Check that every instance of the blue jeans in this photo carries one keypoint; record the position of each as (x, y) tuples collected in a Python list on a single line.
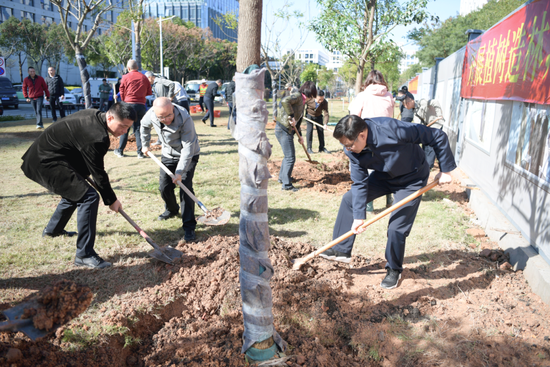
[(140, 112), (85, 222), (37, 107), (287, 144)]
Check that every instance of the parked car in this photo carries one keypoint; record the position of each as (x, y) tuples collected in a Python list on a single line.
[(1, 109), (77, 93), (8, 93), (192, 87), (69, 100), (19, 90)]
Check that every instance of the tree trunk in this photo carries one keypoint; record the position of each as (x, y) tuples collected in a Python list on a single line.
[(250, 31), (359, 78), (21, 67), (84, 77), (274, 94)]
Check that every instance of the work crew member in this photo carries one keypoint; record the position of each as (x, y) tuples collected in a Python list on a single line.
[(180, 154), (161, 86), (34, 87), (56, 87), (209, 96), (391, 149), (202, 91), (60, 160), (424, 112), (317, 110), (104, 92)]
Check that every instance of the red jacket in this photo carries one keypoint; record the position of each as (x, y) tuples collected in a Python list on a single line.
[(36, 87), (134, 86)]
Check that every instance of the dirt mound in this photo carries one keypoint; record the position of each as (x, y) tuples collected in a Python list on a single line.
[(330, 314), (131, 144), (59, 304), (332, 177)]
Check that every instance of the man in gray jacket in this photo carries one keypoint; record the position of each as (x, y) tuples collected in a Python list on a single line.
[(180, 153), (162, 87)]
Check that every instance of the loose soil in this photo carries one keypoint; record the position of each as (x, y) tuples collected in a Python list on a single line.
[(456, 307), (131, 144)]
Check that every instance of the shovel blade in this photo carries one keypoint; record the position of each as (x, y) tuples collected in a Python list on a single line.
[(172, 253), (160, 256), (15, 323), (219, 221), (166, 254)]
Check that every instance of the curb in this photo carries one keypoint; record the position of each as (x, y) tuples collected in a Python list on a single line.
[(499, 229)]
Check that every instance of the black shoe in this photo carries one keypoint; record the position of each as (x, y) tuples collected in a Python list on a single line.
[(334, 255), (310, 151), (190, 235), (93, 261), (203, 121), (324, 150), (391, 280), (62, 233), (213, 125), (291, 188), (167, 215)]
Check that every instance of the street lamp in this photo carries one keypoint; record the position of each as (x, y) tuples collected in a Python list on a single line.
[(160, 26)]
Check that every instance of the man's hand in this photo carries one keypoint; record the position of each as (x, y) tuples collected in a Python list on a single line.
[(325, 127), (300, 139), (62, 97), (355, 226), (144, 150), (444, 178), (28, 100), (116, 206), (176, 179)]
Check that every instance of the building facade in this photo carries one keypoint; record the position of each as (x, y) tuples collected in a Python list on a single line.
[(409, 58), (468, 6), (309, 56), (201, 13)]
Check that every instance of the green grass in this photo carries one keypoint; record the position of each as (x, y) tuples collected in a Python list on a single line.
[(11, 118), (29, 262)]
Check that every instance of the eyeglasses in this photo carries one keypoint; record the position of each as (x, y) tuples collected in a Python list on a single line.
[(348, 147), (162, 118)]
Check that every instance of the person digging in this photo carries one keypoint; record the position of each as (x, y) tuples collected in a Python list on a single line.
[(180, 154), (391, 149), (61, 159)]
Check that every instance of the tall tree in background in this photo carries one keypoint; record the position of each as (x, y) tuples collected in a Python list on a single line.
[(11, 42), (117, 44), (310, 73), (80, 10), (325, 78), (358, 28), (291, 72), (441, 39)]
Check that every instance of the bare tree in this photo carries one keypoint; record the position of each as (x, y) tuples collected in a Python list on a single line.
[(81, 10)]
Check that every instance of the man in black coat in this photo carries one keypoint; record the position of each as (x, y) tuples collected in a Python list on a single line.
[(57, 92), (231, 103), (391, 149), (209, 95), (60, 160)]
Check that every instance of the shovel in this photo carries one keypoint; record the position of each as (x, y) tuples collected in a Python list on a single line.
[(299, 262), (303, 146), (315, 123), (211, 218), (167, 254), (15, 323)]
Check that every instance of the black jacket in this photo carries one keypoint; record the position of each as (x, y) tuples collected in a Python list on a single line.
[(69, 151), (211, 91), (393, 148), (55, 85), (229, 92)]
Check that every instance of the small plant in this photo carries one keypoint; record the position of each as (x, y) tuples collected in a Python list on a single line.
[(12, 118)]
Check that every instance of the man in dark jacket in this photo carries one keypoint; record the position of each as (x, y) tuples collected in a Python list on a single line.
[(231, 103), (57, 93), (61, 159), (317, 110), (34, 88), (391, 149), (209, 96)]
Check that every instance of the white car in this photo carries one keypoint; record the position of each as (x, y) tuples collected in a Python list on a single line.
[(77, 93), (69, 100)]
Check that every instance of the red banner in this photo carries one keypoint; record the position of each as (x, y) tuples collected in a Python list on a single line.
[(413, 85), (512, 59)]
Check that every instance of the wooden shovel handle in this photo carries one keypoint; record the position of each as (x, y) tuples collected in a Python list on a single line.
[(315, 123), (434, 121), (303, 146), (372, 220)]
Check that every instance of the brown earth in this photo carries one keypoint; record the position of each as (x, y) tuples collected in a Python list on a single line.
[(131, 144), (454, 307)]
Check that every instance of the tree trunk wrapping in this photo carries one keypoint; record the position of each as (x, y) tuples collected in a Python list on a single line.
[(256, 269), (85, 78)]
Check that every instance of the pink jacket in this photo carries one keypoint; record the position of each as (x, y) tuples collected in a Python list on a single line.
[(374, 101)]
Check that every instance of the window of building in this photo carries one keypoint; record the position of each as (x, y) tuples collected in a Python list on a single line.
[(85, 28), (27, 2), (311, 56), (5, 13), (26, 14), (47, 20), (306, 56), (99, 31)]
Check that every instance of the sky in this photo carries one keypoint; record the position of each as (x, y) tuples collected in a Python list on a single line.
[(290, 34)]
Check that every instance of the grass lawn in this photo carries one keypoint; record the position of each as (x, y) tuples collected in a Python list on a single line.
[(28, 262)]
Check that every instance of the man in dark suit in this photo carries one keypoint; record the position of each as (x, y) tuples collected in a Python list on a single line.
[(209, 96), (60, 160), (391, 148)]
